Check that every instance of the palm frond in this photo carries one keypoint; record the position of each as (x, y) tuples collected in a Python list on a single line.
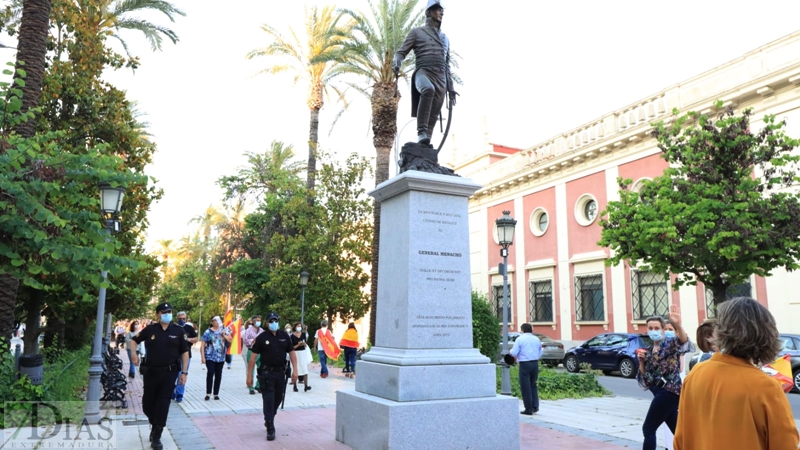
[(150, 30), (121, 7)]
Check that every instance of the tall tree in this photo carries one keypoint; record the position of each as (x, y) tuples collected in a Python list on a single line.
[(721, 211), (28, 76), (310, 62), (368, 52)]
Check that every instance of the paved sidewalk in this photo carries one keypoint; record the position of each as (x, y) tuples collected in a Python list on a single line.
[(308, 418)]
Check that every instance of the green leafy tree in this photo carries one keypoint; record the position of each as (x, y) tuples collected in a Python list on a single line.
[(720, 213), (331, 242), (309, 61), (49, 227), (485, 328), (367, 53)]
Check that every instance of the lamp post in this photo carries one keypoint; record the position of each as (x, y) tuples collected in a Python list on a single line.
[(303, 283), (505, 236), (110, 204), (200, 320)]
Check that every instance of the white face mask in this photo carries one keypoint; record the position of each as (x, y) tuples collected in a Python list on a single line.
[(299, 329)]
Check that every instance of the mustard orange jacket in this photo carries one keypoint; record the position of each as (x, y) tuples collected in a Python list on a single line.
[(727, 403)]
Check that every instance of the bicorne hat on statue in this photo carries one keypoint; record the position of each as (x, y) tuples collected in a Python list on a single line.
[(432, 3)]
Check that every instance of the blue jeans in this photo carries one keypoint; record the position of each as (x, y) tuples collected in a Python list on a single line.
[(180, 388), (663, 408), (132, 370), (323, 359), (350, 359)]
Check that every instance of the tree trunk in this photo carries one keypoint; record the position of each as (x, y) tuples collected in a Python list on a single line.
[(384, 130), (313, 142), (33, 306), (720, 291), (8, 299), (32, 50)]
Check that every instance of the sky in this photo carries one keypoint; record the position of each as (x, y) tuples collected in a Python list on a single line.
[(531, 69)]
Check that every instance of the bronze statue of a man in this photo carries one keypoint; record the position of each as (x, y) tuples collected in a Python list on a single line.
[(431, 79)]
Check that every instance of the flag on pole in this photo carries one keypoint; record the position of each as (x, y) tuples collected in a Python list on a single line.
[(236, 342), (228, 318)]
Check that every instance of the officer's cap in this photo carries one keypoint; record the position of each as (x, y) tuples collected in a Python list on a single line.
[(163, 307), (273, 315)]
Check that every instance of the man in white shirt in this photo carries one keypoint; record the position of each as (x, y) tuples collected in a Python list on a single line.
[(527, 350)]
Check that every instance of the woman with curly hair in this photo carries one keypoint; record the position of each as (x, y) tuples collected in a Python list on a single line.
[(728, 402)]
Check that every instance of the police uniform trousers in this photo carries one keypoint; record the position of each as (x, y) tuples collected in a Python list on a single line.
[(431, 84), (158, 388), (272, 386)]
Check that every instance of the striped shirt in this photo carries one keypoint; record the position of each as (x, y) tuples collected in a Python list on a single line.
[(251, 334)]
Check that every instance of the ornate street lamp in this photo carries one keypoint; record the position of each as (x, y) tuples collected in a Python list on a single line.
[(505, 236), (110, 204), (303, 283)]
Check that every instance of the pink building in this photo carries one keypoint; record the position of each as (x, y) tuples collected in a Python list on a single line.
[(556, 189)]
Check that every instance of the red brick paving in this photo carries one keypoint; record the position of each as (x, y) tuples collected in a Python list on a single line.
[(314, 429)]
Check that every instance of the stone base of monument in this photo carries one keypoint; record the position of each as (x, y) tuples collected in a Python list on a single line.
[(366, 422), (423, 385)]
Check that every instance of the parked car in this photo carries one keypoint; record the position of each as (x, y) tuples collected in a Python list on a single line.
[(608, 352), (791, 346), (552, 350)]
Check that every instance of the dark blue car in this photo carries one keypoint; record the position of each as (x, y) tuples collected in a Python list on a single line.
[(608, 352)]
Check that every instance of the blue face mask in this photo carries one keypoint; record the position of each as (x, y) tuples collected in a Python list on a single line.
[(273, 326), (166, 318), (181, 322), (258, 324), (669, 334), (655, 335)]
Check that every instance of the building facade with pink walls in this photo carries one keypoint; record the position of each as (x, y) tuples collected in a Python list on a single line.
[(557, 189)]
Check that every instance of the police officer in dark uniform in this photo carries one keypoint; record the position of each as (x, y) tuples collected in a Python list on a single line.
[(167, 351), (272, 345)]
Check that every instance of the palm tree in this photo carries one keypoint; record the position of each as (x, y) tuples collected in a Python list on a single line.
[(112, 16), (368, 52), (324, 36), (262, 172), (31, 53)]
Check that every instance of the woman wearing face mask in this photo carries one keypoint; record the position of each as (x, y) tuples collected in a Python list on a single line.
[(303, 353), (133, 330), (212, 350), (659, 371)]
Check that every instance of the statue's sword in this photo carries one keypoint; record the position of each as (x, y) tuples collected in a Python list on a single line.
[(450, 101)]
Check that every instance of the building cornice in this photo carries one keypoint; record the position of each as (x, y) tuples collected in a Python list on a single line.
[(631, 125)]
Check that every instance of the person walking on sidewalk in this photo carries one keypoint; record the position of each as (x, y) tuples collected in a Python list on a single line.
[(167, 352), (250, 336), (300, 346), (660, 372), (527, 351), (323, 335), (212, 349), (349, 343), (133, 330), (191, 338), (273, 346), (728, 402)]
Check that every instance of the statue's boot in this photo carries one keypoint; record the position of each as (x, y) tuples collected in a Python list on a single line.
[(424, 139)]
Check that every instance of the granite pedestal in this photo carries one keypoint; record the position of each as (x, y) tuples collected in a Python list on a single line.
[(423, 385)]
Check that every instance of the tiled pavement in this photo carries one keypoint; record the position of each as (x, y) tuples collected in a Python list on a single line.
[(308, 420)]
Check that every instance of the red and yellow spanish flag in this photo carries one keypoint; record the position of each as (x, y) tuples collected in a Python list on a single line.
[(350, 338), (236, 342), (329, 344), (228, 318), (781, 370)]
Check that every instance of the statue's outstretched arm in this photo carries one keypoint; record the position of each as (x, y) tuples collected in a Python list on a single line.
[(403, 51)]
